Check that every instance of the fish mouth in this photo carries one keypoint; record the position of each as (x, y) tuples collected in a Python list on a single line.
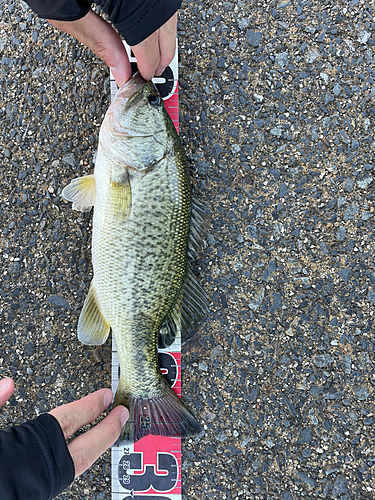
[(131, 86), (133, 89)]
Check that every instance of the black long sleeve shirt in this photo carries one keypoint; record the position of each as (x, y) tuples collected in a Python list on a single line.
[(35, 463), (134, 19)]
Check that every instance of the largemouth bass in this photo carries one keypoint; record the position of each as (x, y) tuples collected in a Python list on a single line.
[(144, 226)]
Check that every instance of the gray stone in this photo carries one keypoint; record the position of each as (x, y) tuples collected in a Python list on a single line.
[(364, 36), (252, 230), (29, 349), (345, 274), (203, 366), (216, 150), (286, 495), (337, 89), (243, 22), (364, 183), (306, 479), (253, 38), (341, 201), (69, 159), (311, 56), (347, 363), (221, 62), (328, 98), (348, 185), (361, 393), (341, 233), (277, 303), (216, 352), (3, 42), (340, 486), (257, 300), (271, 268), (14, 267), (282, 59), (323, 360), (371, 296), (351, 212), (277, 131), (59, 301), (283, 190), (306, 436)]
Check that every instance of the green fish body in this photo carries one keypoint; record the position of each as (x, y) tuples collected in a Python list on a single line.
[(142, 282)]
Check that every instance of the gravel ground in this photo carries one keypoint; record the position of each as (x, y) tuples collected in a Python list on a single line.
[(277, 116)]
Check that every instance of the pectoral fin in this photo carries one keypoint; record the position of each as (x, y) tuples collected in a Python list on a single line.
[(92, 327), (81, 191), (121, 195)]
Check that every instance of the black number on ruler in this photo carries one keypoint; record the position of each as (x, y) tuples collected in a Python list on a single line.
[(145, 422), (150, 478), (166, 87), (167, 78), (168, 367)]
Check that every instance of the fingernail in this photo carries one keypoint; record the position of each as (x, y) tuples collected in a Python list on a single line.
[(124, 416), (107, 399), (121, 75), (5, 383)]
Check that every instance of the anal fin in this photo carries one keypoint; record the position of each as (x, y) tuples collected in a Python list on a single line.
[(92, 327)]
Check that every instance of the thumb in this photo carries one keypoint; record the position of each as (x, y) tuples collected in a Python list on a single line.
[(6, 390)]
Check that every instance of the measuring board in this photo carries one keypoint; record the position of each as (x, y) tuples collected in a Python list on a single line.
[(150, 469)]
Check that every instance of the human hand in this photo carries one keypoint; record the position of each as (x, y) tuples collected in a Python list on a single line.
[(6, 390), (87, 448), (153, 54)]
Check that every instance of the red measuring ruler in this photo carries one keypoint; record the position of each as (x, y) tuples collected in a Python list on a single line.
[(150, 469)]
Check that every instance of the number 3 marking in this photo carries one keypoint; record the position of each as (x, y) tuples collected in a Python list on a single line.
[(165, 480)]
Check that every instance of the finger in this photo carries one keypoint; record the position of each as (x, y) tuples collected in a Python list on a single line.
[(73, 416), (6, 390), (167, 43), (147, 55), (102, 39), (88, 447)]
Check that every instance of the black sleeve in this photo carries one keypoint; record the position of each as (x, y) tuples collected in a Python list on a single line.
[(35, 463), (134, 19)]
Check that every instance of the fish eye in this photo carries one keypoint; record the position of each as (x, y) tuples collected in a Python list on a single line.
[(154, 99)]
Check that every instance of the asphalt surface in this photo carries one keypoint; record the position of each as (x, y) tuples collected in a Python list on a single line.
[(277, 103)]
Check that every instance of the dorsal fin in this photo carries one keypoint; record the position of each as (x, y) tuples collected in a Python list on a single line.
[(191, 305), (198, 229)]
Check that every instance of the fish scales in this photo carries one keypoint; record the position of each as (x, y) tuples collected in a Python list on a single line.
[(140, 268), (142, 279)]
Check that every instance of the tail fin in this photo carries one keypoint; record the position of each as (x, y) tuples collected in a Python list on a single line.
[(162, 416)]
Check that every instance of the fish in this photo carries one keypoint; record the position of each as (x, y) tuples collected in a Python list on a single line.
[(146, 231)]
